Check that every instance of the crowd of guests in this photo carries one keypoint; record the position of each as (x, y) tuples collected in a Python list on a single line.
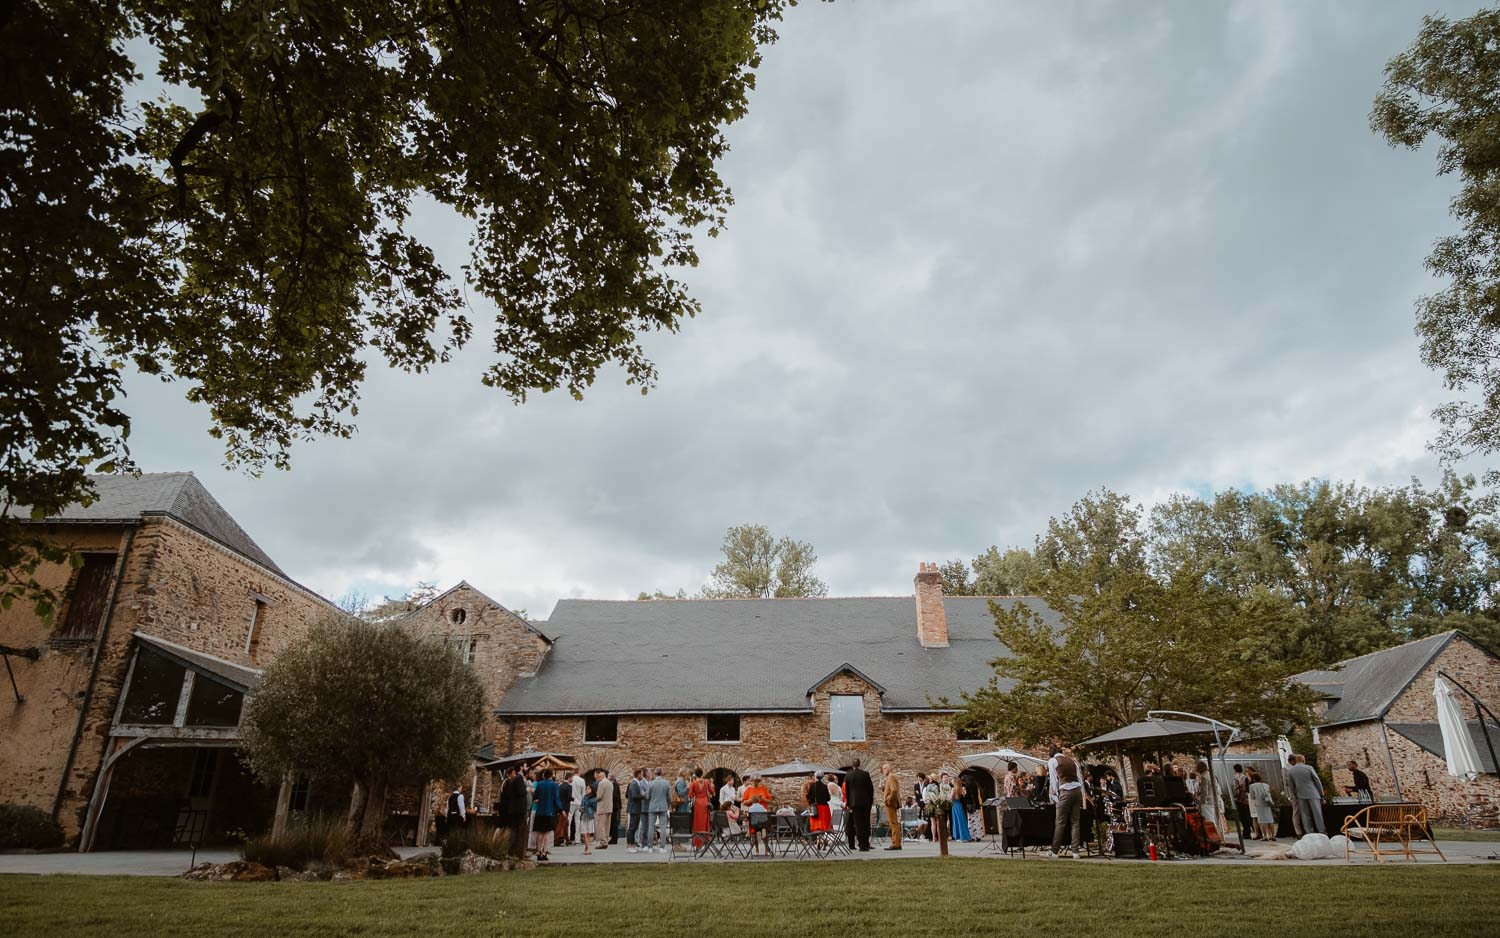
[(542, 808), (595, 810)]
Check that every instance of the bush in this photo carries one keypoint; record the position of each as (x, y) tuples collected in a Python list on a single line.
[(487, 842), (318, 840), (23, 827)]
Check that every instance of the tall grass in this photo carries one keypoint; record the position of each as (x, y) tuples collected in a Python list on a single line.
[(487, 842), (318, 840)]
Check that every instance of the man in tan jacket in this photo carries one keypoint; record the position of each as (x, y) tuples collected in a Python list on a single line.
[(890, 796)]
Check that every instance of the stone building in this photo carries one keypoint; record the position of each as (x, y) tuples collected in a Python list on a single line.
[(123, 723), (500, 646), (733, 685), (1378, 709)]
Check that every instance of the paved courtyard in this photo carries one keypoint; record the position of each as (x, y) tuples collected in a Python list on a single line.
[(173, 862)]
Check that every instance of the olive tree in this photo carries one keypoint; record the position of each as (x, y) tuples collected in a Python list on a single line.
[(377, 704)]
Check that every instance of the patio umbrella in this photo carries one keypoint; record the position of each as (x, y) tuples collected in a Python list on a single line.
[(796, 767), (995, 761), (532, 758), (1458, 745), (1152, 731)]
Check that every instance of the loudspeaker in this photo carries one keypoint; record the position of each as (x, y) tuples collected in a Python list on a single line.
[(1152, 789), (1128, 845)]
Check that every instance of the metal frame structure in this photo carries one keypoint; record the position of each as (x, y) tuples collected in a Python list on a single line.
[(1221, 745)]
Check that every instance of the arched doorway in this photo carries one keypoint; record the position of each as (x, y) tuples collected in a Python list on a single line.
[(979, 787), (719, 776)]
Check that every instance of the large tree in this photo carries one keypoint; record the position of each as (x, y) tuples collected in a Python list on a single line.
[(1447, 85), (246, 230), (757, 564), (1134, 645), (1364, 568), (375, 704)]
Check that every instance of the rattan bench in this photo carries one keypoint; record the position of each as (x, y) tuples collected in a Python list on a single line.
[(1388, 830)]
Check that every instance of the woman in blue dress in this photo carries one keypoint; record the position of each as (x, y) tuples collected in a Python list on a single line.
[(958, 824)]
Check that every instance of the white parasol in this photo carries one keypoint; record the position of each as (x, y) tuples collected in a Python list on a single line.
[(1458, 745), (995, 761)]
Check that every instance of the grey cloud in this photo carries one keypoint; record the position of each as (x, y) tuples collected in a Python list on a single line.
[(983, 258)]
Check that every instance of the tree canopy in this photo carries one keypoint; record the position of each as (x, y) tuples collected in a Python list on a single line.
[(246, 232), (375, 704), (758, 565), (1447, 85), (1135, 645)]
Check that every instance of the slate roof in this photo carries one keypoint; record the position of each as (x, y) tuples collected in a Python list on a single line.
[(237, 676), (178, 495), (1364, 688), (739, 655), (1429, 736)]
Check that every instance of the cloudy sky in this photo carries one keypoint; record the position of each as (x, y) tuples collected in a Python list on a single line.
[(984, 258)]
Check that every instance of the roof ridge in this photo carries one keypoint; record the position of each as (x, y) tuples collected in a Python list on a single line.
[(1338, 665), (761, 599)]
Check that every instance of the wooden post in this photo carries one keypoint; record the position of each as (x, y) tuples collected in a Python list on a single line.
[(283, 806), (424, 814), (940, 824)]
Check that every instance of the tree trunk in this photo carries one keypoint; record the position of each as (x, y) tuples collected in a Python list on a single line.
[(357, 799), (374, 820), (940, 825)]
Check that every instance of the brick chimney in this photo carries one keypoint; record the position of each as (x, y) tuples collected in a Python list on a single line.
[(932, 619)]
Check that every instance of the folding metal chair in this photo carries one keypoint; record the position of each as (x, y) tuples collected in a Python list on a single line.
[(680, 832)]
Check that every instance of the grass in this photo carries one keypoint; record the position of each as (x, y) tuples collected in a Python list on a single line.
[(910, 898), (1458, 833)]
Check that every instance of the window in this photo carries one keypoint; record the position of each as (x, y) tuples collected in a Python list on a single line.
[(846, 718), (89, 598), (155, 689), (257, 622), (601, 729), (463, 646), (724, 728), (213, 704), (457, 616)]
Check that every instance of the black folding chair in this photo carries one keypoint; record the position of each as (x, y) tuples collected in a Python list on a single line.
[(680, 832), (790, 833)]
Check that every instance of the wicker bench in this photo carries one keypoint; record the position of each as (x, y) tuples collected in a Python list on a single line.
[(1388, 830)]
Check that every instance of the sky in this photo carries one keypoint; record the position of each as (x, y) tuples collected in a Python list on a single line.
[(984, 258)]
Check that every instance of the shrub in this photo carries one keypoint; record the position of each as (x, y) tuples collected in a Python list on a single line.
[(487, 842), (28, 828), (318, 840)]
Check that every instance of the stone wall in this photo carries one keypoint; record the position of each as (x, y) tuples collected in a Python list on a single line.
[(35, 735), (918, 742), (504, 647), (1423, 775), (176, 584)]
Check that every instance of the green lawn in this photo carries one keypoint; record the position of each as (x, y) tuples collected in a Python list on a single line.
[(929, 897), (1455, 833)]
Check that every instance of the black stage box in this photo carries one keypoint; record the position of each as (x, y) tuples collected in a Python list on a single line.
[(1129, 845)]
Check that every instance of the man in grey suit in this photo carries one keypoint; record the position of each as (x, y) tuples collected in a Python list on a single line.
[(1307, 789), (658, 806)]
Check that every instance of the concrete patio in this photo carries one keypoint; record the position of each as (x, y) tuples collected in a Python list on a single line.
[(174, 862)]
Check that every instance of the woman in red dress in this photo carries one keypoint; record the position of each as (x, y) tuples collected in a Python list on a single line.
[(700, 792), (818, 798)]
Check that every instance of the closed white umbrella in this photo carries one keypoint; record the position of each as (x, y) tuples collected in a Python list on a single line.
[(1458, 745)]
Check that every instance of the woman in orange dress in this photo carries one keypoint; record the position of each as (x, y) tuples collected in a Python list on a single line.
[(700, 792)]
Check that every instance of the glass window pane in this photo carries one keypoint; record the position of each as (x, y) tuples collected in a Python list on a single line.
[(724, 728), (600, 729), (846, 717), (213, 704), (155, 686)]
